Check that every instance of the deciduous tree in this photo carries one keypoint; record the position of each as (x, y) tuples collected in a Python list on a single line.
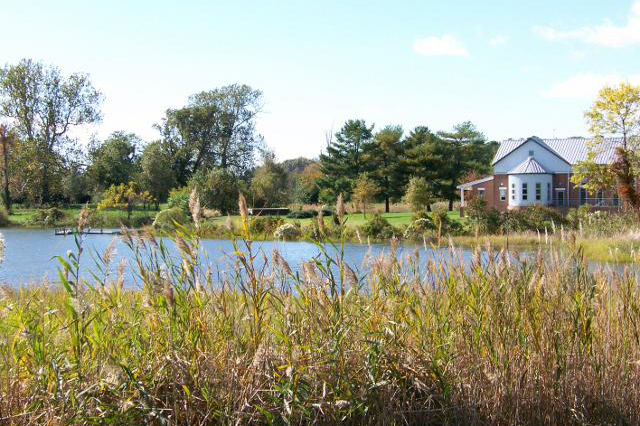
[(615, 112), (156, 175), (365, 191), (44, 106), (115, 161)]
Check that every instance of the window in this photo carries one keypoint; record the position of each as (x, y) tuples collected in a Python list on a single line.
[(548, 192), (524, 191), (530, 153), (480, 192), (615, 199), (503, 194), (600, 197), (583, 196), (538, 191), (513, 191)]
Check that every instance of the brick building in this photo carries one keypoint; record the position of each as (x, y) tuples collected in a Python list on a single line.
[(538, 171)]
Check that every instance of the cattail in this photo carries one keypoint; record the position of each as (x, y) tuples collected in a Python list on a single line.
[(279, 260), (352, 278), (82, 217), (229, 224), (148, 235), (321, 221), (358, 235), (199, 286), (167, 291), (109, 252), (340, 210), (194, 207), (120, 281), (244, 211), (309, 271)]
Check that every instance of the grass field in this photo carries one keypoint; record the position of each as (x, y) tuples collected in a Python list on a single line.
[(20, 216), (397, 219)]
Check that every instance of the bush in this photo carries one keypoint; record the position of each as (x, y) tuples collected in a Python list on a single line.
[(307, 214), (167, 218), (288, 231), (179, 197), (482, 219), (47, 217), (535, 218), (378, 227), (218, 189), (266, 224)]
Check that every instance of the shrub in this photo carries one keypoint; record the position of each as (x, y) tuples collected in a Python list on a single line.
[(307, 214), (211, 213), (217, 188), (288, 231), (179, 197), (378, 227), (4, 217), (482, 219), (47, 217), (266, 224), (167, 218), (535, 218)]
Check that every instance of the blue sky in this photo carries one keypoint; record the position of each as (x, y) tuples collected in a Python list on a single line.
[(514, 68)]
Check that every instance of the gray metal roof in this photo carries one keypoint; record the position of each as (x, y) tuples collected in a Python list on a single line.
[(572, 150), (528, 166), (475, 182)]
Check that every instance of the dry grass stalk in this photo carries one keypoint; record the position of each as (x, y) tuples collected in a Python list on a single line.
[(194, 207)]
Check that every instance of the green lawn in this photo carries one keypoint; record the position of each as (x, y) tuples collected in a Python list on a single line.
[(358, 219), (20, 215)]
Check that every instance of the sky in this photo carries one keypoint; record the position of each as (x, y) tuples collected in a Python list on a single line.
[(513, 68)]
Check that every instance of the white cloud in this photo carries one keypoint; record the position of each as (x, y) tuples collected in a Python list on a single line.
[(498, 40), (585, 85), (446, 45), (607, 34)]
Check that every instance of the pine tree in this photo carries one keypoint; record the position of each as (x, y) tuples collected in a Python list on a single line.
[(347, 157), (466, 150), (385, 158)]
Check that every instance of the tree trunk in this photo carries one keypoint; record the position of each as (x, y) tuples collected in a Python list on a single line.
[(7, 194), (45, 184), (386, 204), (450, 204)]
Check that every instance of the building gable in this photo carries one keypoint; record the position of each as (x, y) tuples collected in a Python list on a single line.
[(534, 147)]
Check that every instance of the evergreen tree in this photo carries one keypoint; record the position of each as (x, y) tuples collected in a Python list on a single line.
[(385, 158), (425, 157), (466, 150), (347, 157)]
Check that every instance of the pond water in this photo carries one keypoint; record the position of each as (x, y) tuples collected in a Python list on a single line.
[(30, 254)]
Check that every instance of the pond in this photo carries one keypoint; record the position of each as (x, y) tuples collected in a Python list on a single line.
[(30, 254)]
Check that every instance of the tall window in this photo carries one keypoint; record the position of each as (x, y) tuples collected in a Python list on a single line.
[(503, 194), (524, 191), (548, 192), (538, 191), (513, 191)]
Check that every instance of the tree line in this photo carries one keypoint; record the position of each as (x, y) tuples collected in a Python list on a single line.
[(210, 143)]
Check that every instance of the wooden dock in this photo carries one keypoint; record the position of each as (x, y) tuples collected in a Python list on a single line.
[(90, 231)]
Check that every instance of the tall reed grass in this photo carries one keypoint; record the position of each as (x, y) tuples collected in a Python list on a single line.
[(502, 341)]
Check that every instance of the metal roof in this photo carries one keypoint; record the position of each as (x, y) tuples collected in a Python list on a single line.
[(572, 150), (528, 166), (475, 182)]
